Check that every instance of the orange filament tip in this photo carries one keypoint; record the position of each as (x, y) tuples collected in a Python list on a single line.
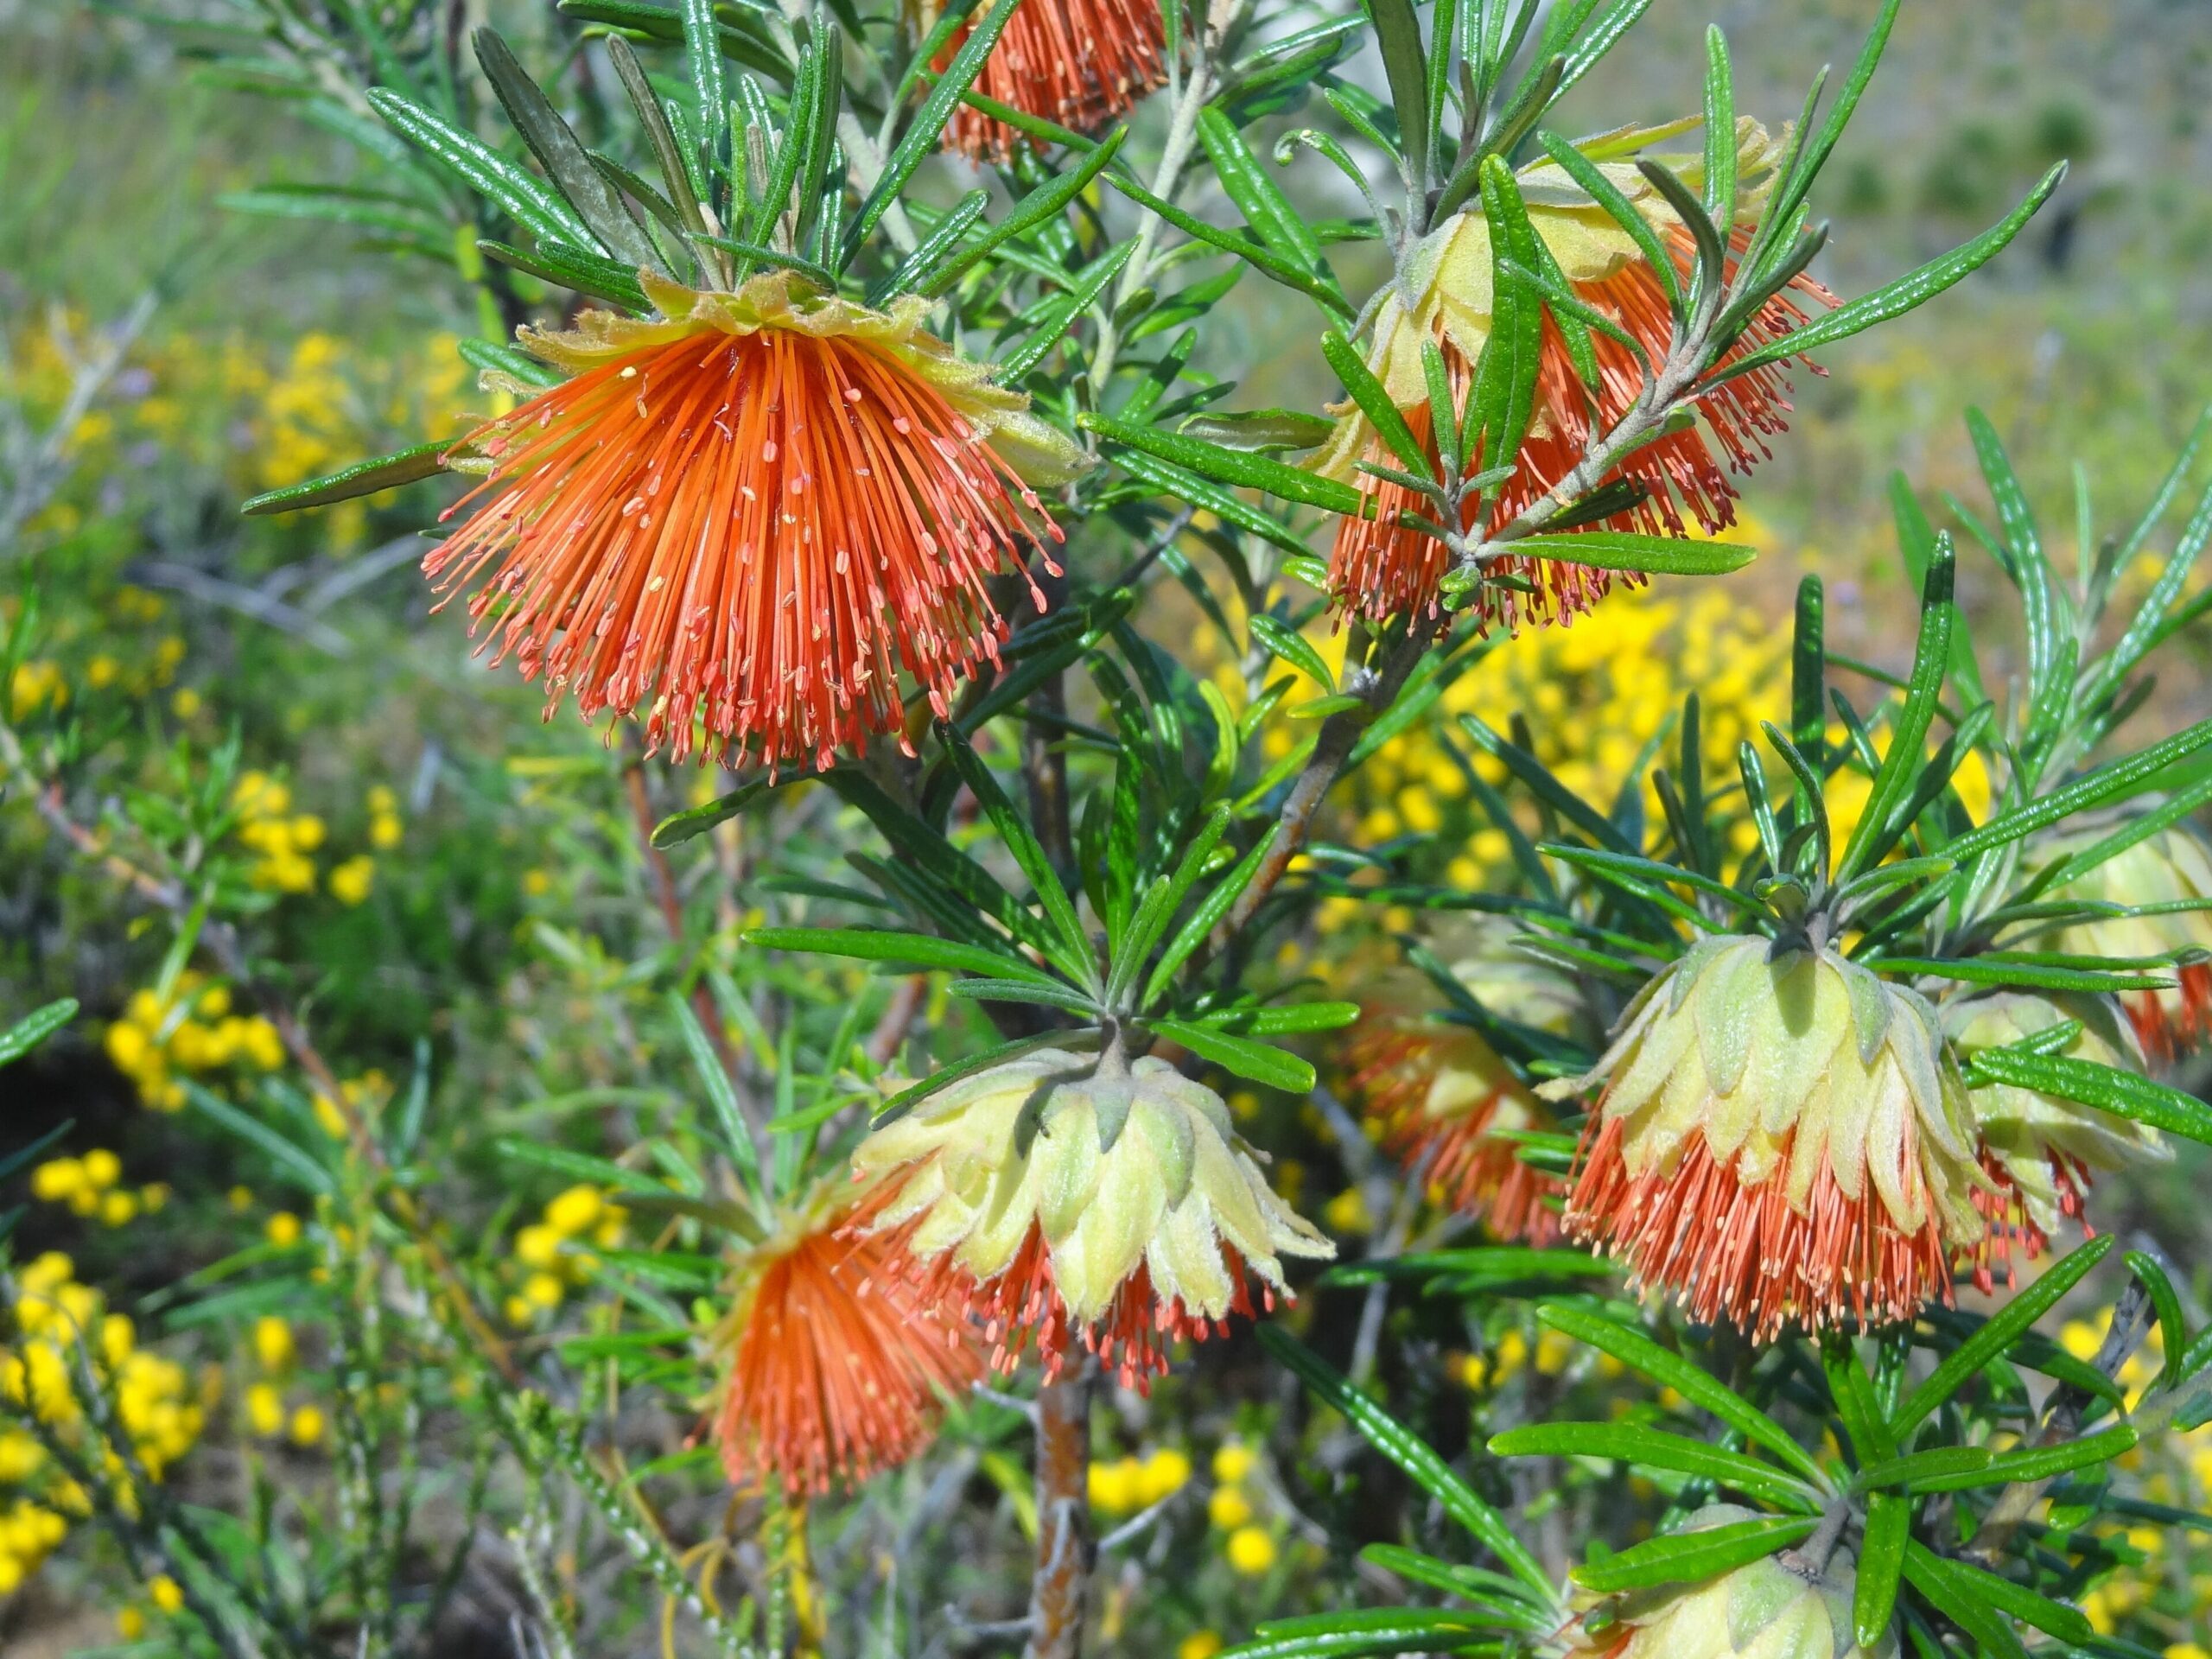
[(2170, 1024), (1132, 1340), (2011, 1223), (1480, 1175)]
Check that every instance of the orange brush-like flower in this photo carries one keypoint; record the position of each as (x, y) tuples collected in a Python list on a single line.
[(1381, 568), (1779, 1138), (1078, 63), (1443, 1094), (749, 516), (836, 1364)]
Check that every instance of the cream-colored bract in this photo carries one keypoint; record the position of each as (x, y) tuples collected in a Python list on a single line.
[(1782, 1607), (1781, 1137), (2041, 1145), (1118, 1173), (2169, 866), (1453, 270)]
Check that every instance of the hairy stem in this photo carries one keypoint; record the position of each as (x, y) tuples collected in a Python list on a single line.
[(1064, 1547)]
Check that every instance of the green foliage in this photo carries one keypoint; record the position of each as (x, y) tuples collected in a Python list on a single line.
[(641, 1017)]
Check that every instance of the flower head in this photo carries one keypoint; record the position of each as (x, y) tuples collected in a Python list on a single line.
[(836, 1365), (1380, 566), (749, 515), (1783, 1606), (1080, 63), (1442, 1093), (1069, 1199), (2038, 1148), (2170, 866), (1782, 1137)]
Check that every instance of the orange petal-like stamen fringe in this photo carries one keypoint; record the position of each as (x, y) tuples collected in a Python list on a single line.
[(2167, 1033), (2006, 1212), (1479, 1174), (1726, 1250), (841, 1364), (753, 533), (1079, 63), (1381, 568), (1022, 1304)]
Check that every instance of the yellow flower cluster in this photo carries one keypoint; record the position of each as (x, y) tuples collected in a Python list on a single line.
[(362, 1094), (51, 684), (194, 1033), (1596, 695), (1512, 1353), (274, 1354), (92, 1187), (34, 686), (262, 419), (1248, 1546), (316, 410), (1128, 1484), (63, 1333), (284, 841), (551, 1257), (167, 1597)]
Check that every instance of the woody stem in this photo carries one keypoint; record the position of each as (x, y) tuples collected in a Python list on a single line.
[(1057, 1593), (1673, 383)]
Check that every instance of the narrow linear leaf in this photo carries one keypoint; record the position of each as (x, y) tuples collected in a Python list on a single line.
[(363, 478), (1898, 297), (1704, 1553), (1394, 1442)]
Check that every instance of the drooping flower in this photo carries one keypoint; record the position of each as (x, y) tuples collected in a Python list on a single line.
[(1381, 567), (2170, 866), (1782, 1138), (1444, 1096), (1071, 1201), (836, 1365), (1078, 63), (1783, 1606), (749, 515), (2040, 1149)]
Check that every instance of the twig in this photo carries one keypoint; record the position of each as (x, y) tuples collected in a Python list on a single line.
[(39, 467), (246, 601), (1058, 1593)]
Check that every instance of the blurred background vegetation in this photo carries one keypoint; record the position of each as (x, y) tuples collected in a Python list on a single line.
[(431, 865)]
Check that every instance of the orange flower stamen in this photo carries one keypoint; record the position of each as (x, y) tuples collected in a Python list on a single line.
[(1079, 63), (2166, 1034), (1132, 1340), (838, 1363), (1479, 1174), (1739, 1251), (2011, 1223), (1381, 567), (750, 534)]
